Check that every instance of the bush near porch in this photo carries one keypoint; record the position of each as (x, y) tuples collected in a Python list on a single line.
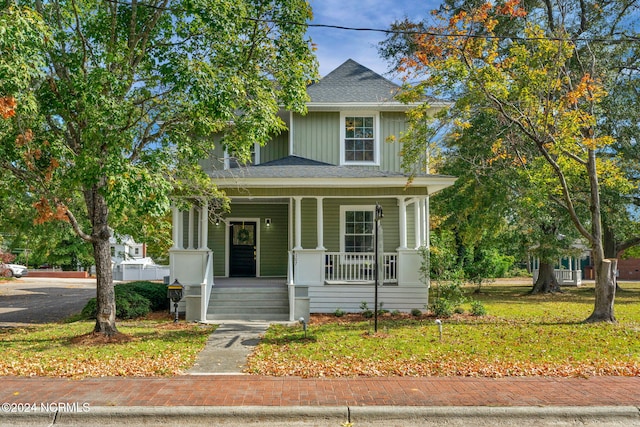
[(521, 335)]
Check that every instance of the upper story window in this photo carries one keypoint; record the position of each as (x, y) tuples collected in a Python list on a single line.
[(231, 161), (359, 137)]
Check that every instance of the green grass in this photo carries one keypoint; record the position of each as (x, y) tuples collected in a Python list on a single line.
[(521, 335), (154, 348)]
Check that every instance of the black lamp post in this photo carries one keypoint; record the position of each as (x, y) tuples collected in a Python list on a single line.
[(174, 292), (378, 217)]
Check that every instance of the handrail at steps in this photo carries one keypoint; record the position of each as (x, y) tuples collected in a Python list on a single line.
[(291, 287), (205, 287)]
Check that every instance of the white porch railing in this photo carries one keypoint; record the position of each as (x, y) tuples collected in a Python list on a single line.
[(563, 276), (359, 267), (205, 288)]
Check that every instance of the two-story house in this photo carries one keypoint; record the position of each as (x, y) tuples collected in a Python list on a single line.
[(304, 212)]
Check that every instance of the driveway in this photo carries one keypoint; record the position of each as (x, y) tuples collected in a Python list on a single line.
[(43, 300)]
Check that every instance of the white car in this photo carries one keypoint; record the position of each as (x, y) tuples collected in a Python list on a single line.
[(13, 270)]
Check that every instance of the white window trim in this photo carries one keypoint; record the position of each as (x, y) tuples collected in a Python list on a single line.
[(343, 210), (376, 137), (256, 150)]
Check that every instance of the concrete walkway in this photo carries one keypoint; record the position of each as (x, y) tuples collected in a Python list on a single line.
[(227, 348)]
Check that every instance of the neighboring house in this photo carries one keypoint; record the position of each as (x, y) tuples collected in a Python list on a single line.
[(124, 248), (130, 262), (303, 213)]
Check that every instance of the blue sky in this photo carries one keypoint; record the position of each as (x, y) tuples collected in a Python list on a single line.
[(336, 46)]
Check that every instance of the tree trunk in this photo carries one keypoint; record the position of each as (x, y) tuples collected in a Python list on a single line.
[(105, 295), (546, 281), (605, 274)]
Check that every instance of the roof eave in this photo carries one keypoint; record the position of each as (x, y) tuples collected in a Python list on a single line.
[(432, 183)]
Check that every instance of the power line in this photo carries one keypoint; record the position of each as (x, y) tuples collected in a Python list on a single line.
[(604, 40)]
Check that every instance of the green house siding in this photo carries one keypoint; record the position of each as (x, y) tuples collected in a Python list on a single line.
[(392, 125), (332, 221), (216, 242), (317, 136), (309, 229), (276, 148), (273, 242)]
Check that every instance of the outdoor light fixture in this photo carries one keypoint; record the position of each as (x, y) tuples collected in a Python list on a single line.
[(267, 221), (439, 323), (174, 292), (217, 221), (304, 326)]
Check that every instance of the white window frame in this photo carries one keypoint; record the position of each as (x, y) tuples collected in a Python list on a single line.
[(256, 156), (343, 210), (376, 137)]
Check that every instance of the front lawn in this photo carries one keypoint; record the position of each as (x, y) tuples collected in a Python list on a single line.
[(146, 348), (520, 336)]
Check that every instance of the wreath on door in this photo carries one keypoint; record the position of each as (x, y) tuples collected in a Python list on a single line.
[(243, 235)]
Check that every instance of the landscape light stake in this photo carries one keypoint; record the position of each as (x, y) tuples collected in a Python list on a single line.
[(439, 323)]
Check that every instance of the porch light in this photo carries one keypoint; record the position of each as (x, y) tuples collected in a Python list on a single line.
[(217, 222), (267, 222)]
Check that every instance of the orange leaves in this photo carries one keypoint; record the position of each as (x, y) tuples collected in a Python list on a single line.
[(46, 212), (511, 8), (7, 107), (588, 88)]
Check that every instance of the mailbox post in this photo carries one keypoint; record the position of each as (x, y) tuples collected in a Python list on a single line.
[(174, 292)]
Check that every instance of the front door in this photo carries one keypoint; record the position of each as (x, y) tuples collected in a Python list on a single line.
[(242, 251)]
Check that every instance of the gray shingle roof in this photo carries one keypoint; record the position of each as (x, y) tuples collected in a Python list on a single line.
[(300, 167), (352, 82)]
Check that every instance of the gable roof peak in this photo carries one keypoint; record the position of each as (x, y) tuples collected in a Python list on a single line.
[(352, 82)]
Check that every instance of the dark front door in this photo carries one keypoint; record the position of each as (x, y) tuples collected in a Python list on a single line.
[(242, 251)]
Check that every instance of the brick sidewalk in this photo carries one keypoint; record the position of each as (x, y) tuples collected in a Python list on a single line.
[(245, 390)]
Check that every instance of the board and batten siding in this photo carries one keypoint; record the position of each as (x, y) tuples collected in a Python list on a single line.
[(392, 125), (317, 136), (276, 148)]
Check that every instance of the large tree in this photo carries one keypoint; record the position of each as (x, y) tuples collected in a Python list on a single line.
[(129, 96), (546, 84)]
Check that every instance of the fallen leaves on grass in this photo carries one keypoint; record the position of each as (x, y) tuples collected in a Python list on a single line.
[(353, 367), (143, 348)]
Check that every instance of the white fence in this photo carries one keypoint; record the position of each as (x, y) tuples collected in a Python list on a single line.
[(127, 272)]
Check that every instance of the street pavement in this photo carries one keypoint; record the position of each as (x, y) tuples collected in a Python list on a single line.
[(216, 392), (31, 300)]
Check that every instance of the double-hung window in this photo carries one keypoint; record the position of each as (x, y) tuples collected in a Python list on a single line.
[(359, 138), (357, 229)]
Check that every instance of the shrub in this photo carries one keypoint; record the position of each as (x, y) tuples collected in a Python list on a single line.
[(478, 309), (442, 307), (339, 312), (129, 304), (366, 313), (416, 312), (156, 293)]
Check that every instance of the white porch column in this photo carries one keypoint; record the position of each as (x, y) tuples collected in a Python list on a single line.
[(204, 225), (427, 223), (320, 222), (298, 223), (403, 222), (190, 229), (417, 226), (174, 226)]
